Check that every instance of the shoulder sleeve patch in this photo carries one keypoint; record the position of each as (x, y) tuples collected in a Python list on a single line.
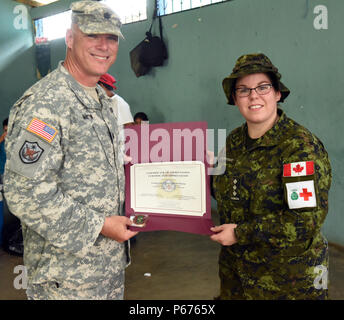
[(298, 169), (301, 194), (28, 155), (42, 129)]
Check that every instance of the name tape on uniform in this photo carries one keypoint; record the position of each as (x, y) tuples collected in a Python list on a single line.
[(42, 129), (298, 169), (301, 194)]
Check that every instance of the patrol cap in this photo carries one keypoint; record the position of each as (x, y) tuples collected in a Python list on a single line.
[(248, 64), (93, 17)]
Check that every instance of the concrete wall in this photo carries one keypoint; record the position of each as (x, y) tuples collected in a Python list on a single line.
[(17, 62)]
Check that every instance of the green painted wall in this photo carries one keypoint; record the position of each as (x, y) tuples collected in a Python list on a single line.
[(17, 64), (203, 46)]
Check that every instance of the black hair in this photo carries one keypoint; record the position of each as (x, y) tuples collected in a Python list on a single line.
[(105, 85), (141, 115), (5, 123), (274, 80)]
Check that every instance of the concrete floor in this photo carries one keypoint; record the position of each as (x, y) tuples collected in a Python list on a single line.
[(182, 266)]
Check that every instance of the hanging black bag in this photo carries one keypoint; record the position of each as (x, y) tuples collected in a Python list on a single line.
[(151, 52), (138, 67), (154, 50)]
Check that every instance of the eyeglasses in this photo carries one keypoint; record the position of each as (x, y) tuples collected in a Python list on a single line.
[(261, 90)]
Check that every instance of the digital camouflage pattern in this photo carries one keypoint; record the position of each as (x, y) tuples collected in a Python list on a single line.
[(278, 249), (95, 18), (248, 64), (111, 288), (62, 198)]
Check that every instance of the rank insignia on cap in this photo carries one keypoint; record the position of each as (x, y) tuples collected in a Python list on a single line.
[(30, 152), (298, 169), (301, 194), (42, 129)]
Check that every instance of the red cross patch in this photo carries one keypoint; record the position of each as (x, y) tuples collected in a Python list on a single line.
[(301, 194)]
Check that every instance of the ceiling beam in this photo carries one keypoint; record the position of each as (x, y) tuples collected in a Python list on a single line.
[(34, 3)]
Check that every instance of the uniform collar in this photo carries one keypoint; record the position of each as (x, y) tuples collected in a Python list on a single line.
[(272, 137), (79, 91)]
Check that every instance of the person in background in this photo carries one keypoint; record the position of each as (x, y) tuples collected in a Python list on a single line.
[(121, 107), (2, 149), (124, 116), (62, 177), (2, 167), (107, 82), (273, 196), (140, 117)]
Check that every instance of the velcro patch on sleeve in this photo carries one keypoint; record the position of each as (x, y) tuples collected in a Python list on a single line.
[(301, 194), (30, 152), (298, 169), (42, 129), (28, 155)]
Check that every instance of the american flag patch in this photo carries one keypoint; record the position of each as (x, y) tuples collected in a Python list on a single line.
[(42, 129)]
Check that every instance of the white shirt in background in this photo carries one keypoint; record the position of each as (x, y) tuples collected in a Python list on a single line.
[(123, 113)]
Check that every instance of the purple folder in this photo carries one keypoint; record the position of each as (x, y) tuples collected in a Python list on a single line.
[(166, 142)]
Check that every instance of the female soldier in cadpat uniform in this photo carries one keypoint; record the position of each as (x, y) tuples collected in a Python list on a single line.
[(273, 196)]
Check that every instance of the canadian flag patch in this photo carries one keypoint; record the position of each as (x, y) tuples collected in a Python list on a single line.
[(298, 169), (301, 194)]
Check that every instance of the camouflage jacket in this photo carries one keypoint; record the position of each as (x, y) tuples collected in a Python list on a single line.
[(252, 192), (63, 177)]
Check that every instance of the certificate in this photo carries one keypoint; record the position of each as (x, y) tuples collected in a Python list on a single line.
[(166, 182), (168, 188)]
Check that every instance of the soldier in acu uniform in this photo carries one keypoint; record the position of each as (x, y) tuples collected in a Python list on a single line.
[(273, 195), (64, 178)]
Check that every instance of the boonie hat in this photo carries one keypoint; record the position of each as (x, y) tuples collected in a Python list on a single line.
[(248, 64), (93, 17), (108, 79)]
